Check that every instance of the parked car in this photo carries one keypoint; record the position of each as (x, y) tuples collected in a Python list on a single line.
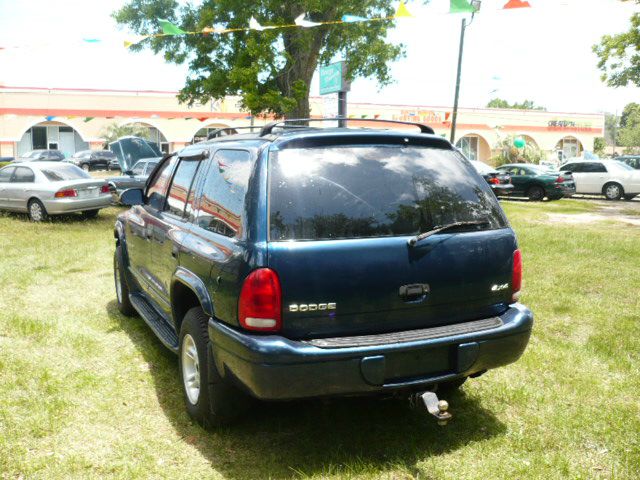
[(130, 149), (42, 155), (114, 164), (92, 159), (632, 160), (309, 262), (134, 178), (499, 182), (6, 159), (42, 189), (538, 182), (611, 178)]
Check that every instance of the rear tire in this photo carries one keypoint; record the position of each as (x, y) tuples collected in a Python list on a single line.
[(613, 191), (88, 214), (37, 212), (535, 193), (122, 289), (209, 400)]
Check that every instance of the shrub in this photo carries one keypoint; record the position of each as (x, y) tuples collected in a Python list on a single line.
[(4, 164), (509, 153)]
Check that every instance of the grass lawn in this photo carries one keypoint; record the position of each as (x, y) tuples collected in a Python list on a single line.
[(87, 393)]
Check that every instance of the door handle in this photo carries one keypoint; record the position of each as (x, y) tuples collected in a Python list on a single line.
[(414, 292)]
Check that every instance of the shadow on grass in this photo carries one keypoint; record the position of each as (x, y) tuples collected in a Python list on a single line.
[(55, 219), (303, 438)]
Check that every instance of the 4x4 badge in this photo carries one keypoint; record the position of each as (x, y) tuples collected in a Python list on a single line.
[(311, 307), (498, 288)]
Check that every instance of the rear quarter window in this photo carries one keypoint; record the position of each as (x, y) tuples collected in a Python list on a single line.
[(343, 192), (64, 172)]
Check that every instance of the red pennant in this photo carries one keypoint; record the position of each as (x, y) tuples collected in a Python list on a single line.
[(517, 4), (203, 119)]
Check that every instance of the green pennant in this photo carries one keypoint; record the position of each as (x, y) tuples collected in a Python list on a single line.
[(461, 6), (88, 119), (169, 28)]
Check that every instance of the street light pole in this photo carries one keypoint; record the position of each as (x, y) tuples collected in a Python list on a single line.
[(454, 117)]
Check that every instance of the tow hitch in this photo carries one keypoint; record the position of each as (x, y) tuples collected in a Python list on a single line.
[(437, 408)]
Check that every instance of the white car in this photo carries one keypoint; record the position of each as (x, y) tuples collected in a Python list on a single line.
[(610, 178)]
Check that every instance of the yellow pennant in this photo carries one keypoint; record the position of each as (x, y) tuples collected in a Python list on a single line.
[(403, 11)]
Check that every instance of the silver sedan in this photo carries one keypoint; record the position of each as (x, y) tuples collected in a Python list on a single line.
[(51, 188)]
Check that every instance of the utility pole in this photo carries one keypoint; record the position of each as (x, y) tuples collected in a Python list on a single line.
[(342, 108), (454, 118)]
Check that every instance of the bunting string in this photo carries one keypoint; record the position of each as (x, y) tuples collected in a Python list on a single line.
[(168, 29)]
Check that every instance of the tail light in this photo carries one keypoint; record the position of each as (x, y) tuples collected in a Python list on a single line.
[(559, 179), (104, 188), (69, 192), (494, 181), (260, 304), (516, 279)]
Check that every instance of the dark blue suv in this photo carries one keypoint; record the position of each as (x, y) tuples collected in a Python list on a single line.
[(307, 262)]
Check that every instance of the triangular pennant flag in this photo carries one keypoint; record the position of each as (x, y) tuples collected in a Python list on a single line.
[(301, 22), (49, 118), (517, 4), (127, 44), (169, 28), (91, 40), (88, 119), (254, 25), (461, 6), (203, 119), (353, 19), (402, 11)]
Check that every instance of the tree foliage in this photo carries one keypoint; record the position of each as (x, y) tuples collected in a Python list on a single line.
[(113, 131), (509, 153), (525, 105), (619, 55), (599, 145), (270, 70)]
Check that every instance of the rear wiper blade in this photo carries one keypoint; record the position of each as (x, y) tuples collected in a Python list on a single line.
[(418, 238)]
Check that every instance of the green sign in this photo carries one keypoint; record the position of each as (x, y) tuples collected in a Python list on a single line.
[(332, 78)]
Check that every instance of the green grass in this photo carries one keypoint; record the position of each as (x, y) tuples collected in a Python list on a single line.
[(87, 393)]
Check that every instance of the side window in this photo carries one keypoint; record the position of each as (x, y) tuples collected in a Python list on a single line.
[(599, 168), (158, 188), (180, 186), (222, 203), (5, 174), (149, 166), (572, 167), (23, 175)]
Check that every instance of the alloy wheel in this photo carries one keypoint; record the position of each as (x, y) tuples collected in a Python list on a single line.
[(190, 369), (35, 210), (612, 192)]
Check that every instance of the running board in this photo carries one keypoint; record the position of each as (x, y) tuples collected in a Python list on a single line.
[(160, 327)]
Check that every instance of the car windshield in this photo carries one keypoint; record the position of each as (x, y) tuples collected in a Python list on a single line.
[(31, 154), (56, 173), (374, 191)]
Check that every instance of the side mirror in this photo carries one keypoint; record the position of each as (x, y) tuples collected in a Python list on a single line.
[(128, 172), (132, 196)]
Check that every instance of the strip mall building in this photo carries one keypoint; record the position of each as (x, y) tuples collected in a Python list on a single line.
[(74, 119)]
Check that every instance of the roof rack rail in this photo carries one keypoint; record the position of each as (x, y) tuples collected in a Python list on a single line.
[(218, 132), (268, 129)]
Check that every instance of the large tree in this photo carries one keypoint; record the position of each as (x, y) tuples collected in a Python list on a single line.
[(271, 70), (619, 55), (525, 105)]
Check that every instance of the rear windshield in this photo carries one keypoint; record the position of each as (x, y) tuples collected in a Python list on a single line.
[(56, 173), (374, 191)]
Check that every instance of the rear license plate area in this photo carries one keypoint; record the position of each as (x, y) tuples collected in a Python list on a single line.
[(404, 366), (88, 193)]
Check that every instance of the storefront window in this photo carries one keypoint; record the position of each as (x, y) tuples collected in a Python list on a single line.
[(469, 147)]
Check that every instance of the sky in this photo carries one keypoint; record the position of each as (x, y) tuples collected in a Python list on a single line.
[(541, 54)]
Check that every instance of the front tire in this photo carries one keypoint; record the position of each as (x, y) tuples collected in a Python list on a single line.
[(209, 400), (613, 191), (37, 212), (86, 167), (535, 193), (122, 289)]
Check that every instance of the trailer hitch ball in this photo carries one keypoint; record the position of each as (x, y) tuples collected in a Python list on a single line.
[(437, 408)]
